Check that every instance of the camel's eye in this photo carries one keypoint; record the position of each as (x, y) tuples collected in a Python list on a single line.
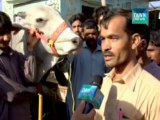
[(39, 20)]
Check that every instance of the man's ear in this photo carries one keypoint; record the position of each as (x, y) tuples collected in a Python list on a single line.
[(136, 40)]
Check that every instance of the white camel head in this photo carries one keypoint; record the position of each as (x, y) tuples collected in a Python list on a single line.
[(57, 38), (48, 21)]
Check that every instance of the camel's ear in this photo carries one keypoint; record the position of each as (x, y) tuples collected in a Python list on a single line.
[(20, 17), (21, 14), (136, 40)]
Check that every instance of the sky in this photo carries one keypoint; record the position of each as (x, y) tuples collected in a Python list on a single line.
[(154, 4), (0, 5)]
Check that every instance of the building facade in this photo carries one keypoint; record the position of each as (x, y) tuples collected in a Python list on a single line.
[(68, 7), (129, 4)]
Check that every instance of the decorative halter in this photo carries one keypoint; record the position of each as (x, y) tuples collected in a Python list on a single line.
[(51, 41)]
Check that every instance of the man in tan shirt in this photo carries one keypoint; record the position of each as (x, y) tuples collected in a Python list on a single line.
[(129, 91)]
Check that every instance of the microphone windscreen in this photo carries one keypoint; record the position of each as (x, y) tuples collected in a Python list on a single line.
[(91, 94)]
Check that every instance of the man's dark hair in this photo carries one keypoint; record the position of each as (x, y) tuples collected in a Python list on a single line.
[(5, 23), (90, 24), (101, 10), (155, 38), (78, 16), (141, 29)]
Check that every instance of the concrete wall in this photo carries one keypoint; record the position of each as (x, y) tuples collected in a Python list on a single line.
[(7, 7), (70, 7), (128, 4)]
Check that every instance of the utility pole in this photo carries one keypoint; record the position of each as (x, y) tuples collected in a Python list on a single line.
[(103, 2)]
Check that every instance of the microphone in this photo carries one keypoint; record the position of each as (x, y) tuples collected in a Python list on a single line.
[(91, 94)]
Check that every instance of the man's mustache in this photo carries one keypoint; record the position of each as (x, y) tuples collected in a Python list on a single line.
[(108, 53)]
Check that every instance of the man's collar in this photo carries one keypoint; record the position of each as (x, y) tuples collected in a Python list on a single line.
[(130, 78), (133, 73)]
